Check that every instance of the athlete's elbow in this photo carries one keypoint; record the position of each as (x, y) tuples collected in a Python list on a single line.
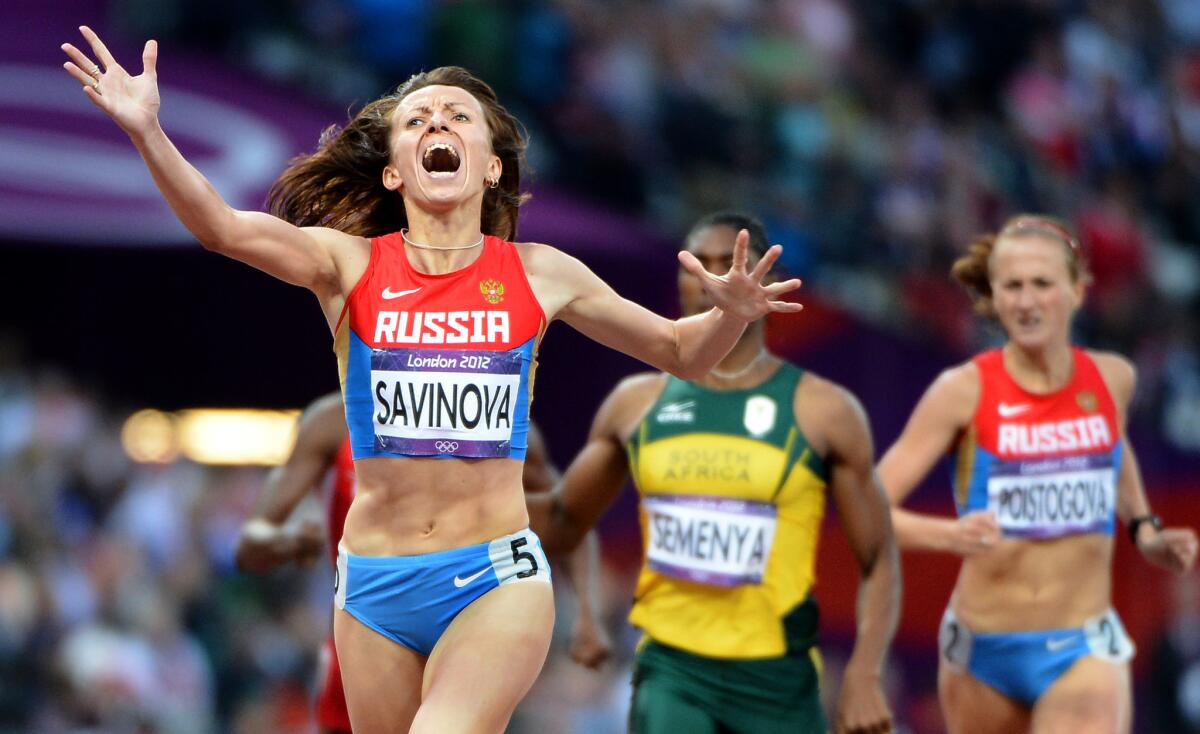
[(689, 375), (212, 244), (218, 232), (559, 534), (558, 541), (690, 370)]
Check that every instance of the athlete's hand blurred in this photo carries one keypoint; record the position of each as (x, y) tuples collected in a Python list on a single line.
[(262, 545), (862, 708), (974, 533), (739, 293), (1171, 548), (590, 644), (131, 101)]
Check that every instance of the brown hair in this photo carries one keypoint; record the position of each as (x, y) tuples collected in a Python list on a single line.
[(972, 270), (341, 184)]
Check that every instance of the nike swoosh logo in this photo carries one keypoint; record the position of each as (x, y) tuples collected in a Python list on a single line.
[(1008, 411), (1056, 645), (677, 407), (461, 582), (389, 294)]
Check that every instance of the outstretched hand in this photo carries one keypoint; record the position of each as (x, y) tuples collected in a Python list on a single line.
[(131, 101), (739, 293)]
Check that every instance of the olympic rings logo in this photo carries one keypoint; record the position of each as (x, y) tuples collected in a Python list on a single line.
[(446, 447)]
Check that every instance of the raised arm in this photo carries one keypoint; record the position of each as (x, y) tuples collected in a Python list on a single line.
[(864, 512), (687, 347), (264, 543), (311, 257), (944, 411), (1171, 548), (597, 474)]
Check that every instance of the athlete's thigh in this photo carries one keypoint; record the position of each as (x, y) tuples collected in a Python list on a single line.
[(973, 707), (382, 678), (486, 661), (1092, 697), (661, 705)]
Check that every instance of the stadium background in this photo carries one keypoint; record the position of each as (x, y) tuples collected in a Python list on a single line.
[(873, 138)]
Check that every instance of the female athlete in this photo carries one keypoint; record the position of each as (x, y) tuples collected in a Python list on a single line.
[(401, 225), (1044, 470)]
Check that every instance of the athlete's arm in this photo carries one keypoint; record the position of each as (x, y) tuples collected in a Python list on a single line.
[(863, 508), (597, 474), (687, 347), (1170, 548), (945, 409), (306, 257), (264, 543), (590, 644), (590, 641)]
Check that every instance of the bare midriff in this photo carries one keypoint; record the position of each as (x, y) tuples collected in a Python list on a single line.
[(1036, 585), (407, 507)]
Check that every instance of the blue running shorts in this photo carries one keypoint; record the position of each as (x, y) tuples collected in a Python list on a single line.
[(413, 599), (1022, 665)]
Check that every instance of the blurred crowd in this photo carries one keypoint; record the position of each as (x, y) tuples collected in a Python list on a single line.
[(874, 139), (120, 609)]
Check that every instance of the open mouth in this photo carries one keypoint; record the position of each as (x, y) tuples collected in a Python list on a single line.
[(441, 160)]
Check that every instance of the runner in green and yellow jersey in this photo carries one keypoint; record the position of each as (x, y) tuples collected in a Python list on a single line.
[(732, 472)]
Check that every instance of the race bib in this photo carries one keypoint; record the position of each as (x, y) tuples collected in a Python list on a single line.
[(434, 401), (1048, 498), (709, 540)]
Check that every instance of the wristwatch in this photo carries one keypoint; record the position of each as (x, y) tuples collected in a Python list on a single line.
[(1136, 522)]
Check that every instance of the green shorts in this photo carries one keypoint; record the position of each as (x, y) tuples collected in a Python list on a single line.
[(676, 692)]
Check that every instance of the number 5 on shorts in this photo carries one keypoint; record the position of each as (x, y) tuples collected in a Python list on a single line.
[(520, 555)]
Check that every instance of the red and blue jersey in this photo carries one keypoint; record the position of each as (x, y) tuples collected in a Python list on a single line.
[(439, 365), (1046, 465)]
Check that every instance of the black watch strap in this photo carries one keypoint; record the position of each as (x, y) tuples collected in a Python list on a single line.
[(1136, 522)]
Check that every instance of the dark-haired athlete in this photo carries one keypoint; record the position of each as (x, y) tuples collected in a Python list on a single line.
[(732, 470), (401, 225)]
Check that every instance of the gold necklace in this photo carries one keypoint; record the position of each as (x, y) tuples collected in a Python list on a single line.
[(404, 235)]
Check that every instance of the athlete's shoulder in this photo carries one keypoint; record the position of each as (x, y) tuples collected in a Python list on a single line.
[(824, 409), (536, 256), (822, 392), (953, 396), (322, 427), (640, 386), (325, 407), (1112, 363), (628, 402), (961, 379), (336, 237), (1118, 372), (341, 245), (349, 253)]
